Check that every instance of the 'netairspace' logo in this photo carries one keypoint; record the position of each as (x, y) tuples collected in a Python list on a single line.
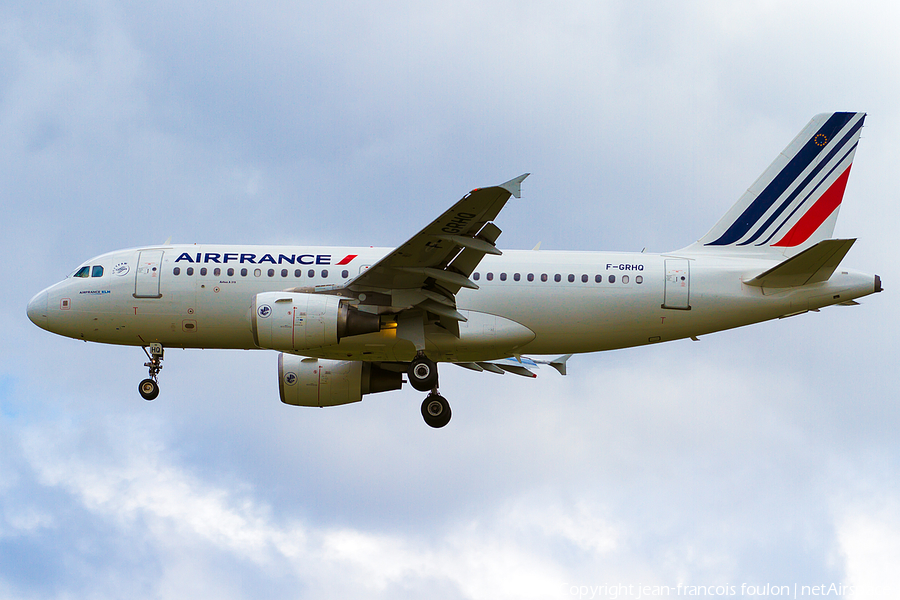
[(614, 591)]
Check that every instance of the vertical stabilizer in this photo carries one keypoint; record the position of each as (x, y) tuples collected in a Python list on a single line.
[(794, 203)]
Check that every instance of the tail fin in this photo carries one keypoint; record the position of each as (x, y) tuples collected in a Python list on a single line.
[(794, 203)]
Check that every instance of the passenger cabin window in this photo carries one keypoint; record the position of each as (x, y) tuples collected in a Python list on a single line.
[(476, 276), (96, 271), (176, 271), (83, 272)]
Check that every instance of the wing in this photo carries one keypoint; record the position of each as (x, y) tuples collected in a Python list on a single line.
[(429, 269), (517, 365)]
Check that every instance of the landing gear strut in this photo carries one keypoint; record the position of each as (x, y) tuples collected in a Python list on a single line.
[(148, 388), (423, 376)]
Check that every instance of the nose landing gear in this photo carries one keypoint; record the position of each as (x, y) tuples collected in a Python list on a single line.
[(148, 388), (423, 376)]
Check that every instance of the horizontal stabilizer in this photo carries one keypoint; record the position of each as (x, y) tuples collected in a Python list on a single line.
[(813, 265)]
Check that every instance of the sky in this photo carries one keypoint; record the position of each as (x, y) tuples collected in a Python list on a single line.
[(752, 459)]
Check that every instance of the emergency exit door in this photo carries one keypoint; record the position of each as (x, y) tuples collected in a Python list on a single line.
[(678, 284)]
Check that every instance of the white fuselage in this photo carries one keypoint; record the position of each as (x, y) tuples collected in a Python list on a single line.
[(535, 302)]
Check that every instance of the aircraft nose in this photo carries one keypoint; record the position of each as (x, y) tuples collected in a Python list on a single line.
[(37, 310)]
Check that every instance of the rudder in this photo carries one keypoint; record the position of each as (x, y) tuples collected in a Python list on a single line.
[(794, 203)]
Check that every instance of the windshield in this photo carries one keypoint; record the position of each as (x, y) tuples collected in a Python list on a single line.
[(88, 271)]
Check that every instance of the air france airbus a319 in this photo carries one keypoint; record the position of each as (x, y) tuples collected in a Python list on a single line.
[(350, 321)]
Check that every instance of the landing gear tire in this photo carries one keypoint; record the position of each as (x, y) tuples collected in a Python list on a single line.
[(436, 411), (423, 374), (149, 389)]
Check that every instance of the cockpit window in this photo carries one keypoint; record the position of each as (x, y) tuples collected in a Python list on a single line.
[(83, 272), (96, 271)]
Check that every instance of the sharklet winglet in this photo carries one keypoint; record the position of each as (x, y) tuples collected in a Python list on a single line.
[(514, 186)]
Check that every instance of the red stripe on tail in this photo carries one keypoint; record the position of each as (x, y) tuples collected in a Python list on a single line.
[(816, 215)]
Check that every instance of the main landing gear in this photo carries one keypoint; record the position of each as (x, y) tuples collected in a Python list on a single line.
[(436, 410), (423, 376), (148, 388)]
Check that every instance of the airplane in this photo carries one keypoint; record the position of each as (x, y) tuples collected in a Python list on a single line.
[(352, 321)]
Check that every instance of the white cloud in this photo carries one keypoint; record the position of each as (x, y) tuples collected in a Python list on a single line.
[(187, 522), (869, 534)]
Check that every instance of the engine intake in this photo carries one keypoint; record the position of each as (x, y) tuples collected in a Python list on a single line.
[(293, 321), (320, 382)]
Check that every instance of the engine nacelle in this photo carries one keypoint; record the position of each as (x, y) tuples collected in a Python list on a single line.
[(293, 321), (320, 382)]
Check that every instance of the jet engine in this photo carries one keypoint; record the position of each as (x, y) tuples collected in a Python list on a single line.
[(293, 321), (320, 382)]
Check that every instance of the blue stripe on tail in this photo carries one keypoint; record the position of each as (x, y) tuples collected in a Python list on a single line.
[(783, 180), (838, 147)]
